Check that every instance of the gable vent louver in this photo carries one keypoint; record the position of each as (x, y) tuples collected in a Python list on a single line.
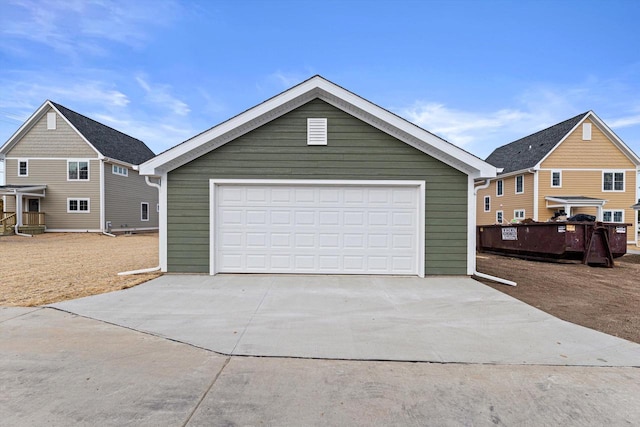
[(316, 131)]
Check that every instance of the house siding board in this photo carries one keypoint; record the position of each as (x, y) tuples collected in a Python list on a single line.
[(123, 196), (588, 184), (62, 142), (506, 203), (53, 173), (597, 153), (355, 151)]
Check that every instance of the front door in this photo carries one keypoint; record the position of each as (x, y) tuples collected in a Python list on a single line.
[(34, 205)]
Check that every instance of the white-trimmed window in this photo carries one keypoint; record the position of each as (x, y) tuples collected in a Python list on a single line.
[(613, 216), (51, 120), (518, 214), (144, 211), (556, 179), (519, 184), (77, 170), (78, 206), (613, 181), (119, 170), (499, 217), (499, 188), (23, 167), (487, 203)]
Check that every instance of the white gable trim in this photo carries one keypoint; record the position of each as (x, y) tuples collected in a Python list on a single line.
[(318, 87), (100, 156), (608, 133), (32, 120)]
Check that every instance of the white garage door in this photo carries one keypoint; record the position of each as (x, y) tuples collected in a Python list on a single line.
[(317, 227)]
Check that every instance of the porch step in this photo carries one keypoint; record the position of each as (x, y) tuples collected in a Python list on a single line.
[(6, 231), (31, 229)]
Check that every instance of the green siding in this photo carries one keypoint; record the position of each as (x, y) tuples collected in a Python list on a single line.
[(355, 150)]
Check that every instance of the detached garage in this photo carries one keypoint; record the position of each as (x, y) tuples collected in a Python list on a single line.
[(317, 181)]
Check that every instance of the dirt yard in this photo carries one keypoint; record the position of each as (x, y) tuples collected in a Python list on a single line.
[(58, 266), (605, 299)]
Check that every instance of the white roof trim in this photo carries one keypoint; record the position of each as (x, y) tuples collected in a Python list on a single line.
[(21, 190), (575, 201), (318, 87), (31, 121), (608, 133)]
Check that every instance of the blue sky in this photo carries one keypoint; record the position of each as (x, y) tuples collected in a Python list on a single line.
[(477, 73)]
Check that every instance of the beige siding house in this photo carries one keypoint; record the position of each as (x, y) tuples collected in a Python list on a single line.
[(65, 172), (578, 166)]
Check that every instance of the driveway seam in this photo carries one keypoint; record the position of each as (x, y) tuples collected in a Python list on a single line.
[(253, 315), (224, 365), (23, 314)]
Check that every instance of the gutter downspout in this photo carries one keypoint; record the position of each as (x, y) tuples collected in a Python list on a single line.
[(144, 270), (17, 233), (19, 216), (476, 272)]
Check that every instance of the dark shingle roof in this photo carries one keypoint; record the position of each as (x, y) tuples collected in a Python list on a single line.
[(108, 141), (528, 151)]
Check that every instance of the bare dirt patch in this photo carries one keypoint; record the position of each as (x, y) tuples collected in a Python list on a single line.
[(605, 299), (55, 267)]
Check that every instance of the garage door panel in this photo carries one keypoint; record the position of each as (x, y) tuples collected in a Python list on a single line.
[(316, 229)]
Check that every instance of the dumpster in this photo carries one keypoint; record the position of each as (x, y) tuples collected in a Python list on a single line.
[(593, 243)]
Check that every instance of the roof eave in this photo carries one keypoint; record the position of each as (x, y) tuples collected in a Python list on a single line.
[(24, 128), (318, 87), (615, 139)]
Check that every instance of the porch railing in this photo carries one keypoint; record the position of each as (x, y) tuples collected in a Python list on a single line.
[(33, 218)]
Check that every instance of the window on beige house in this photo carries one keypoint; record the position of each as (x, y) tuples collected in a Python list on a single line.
[(144, 211), (78, 206), (77, 170), (613, 181), (613, 216), (23, 168), (518, 214), (519, 184)]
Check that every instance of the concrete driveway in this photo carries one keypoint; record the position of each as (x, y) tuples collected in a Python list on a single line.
[(355, 318), (60, 369)]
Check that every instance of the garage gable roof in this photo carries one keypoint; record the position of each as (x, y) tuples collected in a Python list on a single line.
[(318, 87)]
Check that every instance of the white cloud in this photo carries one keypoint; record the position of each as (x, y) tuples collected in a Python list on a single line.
[(79, 27), (158, 119), (287, 80), (623, 122), (162, 97), (158, 137), (27, 95), (459, 126), (534, 109)]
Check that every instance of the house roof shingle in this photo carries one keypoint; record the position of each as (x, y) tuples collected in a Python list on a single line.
[(108, 141), (526, 152)]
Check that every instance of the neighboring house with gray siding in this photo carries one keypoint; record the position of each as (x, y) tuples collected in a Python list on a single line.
[(65, 172), (317, 180)]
